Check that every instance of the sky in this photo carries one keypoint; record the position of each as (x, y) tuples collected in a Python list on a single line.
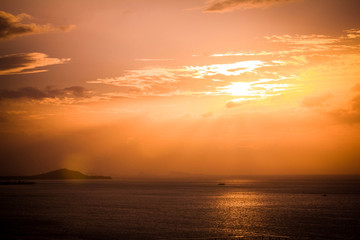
[(151, 87)]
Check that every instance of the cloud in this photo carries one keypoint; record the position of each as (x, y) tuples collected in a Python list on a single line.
[(318, 42), (313, 39), (153, 59), (190, 80), (12, 26), (347, 116), (231, 69), (232, 54), (316, 101), (152, 81), (350, 112), (142, 80), (259, 75), (48, 92), (239, 102), (353, 33), (160, 81), (230, 5), (25, 63)]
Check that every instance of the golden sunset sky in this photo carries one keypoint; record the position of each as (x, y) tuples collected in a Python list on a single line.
[(154, 86)]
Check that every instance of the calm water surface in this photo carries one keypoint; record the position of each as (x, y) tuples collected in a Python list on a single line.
[(293, 207)]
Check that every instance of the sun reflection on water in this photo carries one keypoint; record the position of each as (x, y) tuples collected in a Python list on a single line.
[(238, 212)]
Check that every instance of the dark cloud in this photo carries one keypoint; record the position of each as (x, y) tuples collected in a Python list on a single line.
[(25, 63), (230, 5), (346, 116), (12, 26), (76, 91), (48, 92)]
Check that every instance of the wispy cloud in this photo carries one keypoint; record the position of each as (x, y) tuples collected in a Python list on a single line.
[(153, 59), (143, 79), (25, 63), (314, 39), (231, 69), (353, 33), (160, 80), (230, 5), (259, 74), (319, 42), (13, 26), (235, 54), (203, 80)]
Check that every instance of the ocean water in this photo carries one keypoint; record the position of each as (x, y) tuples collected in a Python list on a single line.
[(316, 207)]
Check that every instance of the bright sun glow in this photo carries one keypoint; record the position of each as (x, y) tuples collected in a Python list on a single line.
[(262, 88), (238, 89)]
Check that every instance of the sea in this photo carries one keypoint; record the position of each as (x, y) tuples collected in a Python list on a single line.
[(245, 207)]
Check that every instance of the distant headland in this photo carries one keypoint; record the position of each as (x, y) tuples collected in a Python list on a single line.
[(56, 175)]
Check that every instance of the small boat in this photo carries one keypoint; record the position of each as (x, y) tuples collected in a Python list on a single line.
[(324, 195), (221, 184)]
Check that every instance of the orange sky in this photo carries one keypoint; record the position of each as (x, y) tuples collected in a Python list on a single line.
[(154, 86)]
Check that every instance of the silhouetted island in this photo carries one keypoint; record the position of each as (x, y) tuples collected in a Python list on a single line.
[(57, 174), (16, 182)]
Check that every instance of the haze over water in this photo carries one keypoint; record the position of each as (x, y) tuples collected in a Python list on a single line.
[(293, 207), (219, 87)]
